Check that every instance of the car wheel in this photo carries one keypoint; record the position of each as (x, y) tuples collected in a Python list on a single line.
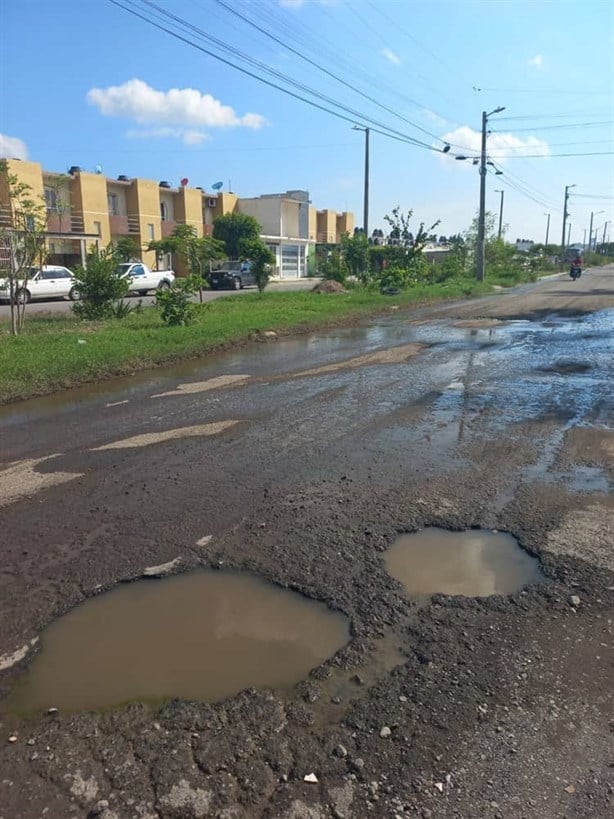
[(164, 285), (236, 283), (23, 296), (73, 294)]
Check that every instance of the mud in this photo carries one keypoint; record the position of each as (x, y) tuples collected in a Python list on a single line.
[(444, 707), (202, 636), (473, 564)]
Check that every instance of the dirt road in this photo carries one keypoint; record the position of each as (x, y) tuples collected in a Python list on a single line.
[(301, 460)]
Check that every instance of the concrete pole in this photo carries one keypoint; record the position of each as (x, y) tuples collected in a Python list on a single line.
[(480, 250), (547, 228), (366, 196)]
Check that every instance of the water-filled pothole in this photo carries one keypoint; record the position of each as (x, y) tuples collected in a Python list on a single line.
[(203, 636), (475, 563)]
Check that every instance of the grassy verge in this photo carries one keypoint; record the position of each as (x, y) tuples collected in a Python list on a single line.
[(60, 352)]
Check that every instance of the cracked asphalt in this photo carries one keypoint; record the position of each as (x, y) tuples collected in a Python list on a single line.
[(301, 459)]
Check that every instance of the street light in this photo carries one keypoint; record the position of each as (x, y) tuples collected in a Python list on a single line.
[(365, 204), (500, 213), (590, 230), (482, 212)]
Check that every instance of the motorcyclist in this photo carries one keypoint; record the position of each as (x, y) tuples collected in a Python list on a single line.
[(575, 269)]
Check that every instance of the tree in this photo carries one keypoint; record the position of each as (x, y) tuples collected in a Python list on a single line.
[(22, 239), (197, 251), (261, 259), (355, 251), (406, 247), (232, 228), (99, 284), (126, 249)]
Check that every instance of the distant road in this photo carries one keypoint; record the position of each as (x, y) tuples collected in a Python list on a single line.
[(55, 306)]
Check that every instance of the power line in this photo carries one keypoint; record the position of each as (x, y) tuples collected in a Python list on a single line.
[(569, 125), (321, 68), (549, 156), (356, 116)]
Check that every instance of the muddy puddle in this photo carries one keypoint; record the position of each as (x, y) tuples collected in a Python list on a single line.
[(475, 563), (202, 636)]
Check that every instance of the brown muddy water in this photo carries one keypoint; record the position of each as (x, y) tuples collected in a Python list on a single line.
[(202, 636), (475, 563)]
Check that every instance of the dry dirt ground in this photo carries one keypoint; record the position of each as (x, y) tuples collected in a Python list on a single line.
[(301, 460)]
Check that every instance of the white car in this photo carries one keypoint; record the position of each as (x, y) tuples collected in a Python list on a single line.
[(142, 279), (47, 282)]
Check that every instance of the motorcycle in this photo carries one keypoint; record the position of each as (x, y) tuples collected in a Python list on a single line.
[(575, 272)]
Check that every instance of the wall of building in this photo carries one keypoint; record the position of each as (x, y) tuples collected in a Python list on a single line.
[(327, 226), (189, 208), (268, 212), (88, 195)]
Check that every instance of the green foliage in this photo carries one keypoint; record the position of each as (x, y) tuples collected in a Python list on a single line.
[(175, 305), (126, 249), (355, 252), (22, 239), (121, 309), (332, 266), (197, 251), (232, 229), (407, 246), (261, 259), (99, 285)]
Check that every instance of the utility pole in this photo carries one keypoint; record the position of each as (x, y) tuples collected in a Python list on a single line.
[(565, 215), (590, 233), (584, 241), (547, 229), (568, 232), (603, 238), (500, 214), (365, 216), (480, 250)]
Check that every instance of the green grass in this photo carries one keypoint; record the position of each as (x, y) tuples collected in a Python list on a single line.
[(50, 353)]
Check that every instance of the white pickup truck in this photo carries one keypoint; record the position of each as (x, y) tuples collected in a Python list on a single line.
[(142, 279)]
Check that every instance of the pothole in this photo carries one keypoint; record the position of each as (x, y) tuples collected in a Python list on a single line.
[(202, 636), (475, 563), (564, 367)]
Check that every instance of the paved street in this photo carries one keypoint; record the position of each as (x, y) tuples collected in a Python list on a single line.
[(300, 461), (56, 306)]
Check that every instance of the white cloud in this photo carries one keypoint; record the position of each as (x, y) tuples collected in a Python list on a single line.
[(433, 117), (537, 61), (389, 54), (12, 148), (500, 145), (176, 107), (187, 135)]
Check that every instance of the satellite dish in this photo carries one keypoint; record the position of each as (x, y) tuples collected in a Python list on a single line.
[(217, 186), (98, 168), (184, 181)]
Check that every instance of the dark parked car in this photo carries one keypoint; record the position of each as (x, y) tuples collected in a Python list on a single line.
[(232, 276)]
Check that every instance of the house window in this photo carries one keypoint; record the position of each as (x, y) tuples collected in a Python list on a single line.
[(98, 228), (51, 199), (150, 232), (164, 211), (113, 204)]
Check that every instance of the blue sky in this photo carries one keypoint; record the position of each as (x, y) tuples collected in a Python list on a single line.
[(83, 82)]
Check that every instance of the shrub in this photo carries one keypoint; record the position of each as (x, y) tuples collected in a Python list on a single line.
[(333, 268), (99, 285), (175, 305)]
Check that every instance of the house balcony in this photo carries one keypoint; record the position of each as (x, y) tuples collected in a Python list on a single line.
[(168, 226), (118, 225), (64, 222)]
